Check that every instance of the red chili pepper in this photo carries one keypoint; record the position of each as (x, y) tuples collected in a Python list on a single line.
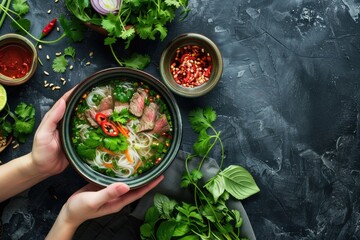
[(109, 129), (47, 29), (100, 117)]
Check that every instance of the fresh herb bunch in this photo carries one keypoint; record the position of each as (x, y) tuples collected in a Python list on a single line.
[(16, 9), (146, 19), (20, 123), (208, 217)]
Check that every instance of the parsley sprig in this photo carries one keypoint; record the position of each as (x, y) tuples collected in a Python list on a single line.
[(208, 216)]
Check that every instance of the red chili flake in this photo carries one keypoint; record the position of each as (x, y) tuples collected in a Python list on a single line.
[(191, 66)]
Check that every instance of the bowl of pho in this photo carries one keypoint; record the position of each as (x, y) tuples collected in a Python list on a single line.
[(121, 125)]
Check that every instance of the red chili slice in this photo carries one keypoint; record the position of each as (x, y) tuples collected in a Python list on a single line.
[(109, 129), (100, 118)]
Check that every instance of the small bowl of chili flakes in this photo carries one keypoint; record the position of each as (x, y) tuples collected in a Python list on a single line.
[(191, 65), (18, 59)]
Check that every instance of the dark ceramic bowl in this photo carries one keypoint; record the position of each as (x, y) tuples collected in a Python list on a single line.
[(102, 77), (169, 54), (25, 44)]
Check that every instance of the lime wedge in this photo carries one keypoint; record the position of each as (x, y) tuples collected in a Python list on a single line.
[(3, 97)]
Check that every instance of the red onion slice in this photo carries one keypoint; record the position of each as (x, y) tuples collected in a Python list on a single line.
[(106, 6)]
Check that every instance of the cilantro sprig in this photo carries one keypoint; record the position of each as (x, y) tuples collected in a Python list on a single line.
[(61, 62), (20, 123), (145, 19), (208, 216)]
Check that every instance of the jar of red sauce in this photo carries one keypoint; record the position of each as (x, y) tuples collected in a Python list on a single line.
[(18, 59)]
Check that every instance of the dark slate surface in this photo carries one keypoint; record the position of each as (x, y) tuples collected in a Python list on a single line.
[(288, 106)]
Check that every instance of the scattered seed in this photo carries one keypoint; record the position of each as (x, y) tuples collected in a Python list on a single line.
[(46, 73), (91, 54), (64, 82), (51, 85), (55, 88), (46, 85), (62, 79), (47, 57), (49, 11), (58, 53), (45, 82), (58, 29), (71, 67), (56, 1), (13, 142), (16, 146), (87, 64), (40, 46)]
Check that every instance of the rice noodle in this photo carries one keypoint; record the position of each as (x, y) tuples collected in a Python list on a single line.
[(126, 163), (101, 91)]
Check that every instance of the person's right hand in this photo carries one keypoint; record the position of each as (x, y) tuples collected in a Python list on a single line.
[(90, 202)]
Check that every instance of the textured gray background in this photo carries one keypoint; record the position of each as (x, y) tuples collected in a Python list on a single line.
[(288, 106)]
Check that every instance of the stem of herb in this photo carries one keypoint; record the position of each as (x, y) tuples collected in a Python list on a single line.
[(5, 3), (5, 10), (114, 55)]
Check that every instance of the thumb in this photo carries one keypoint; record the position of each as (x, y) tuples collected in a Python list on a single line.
[(53, 116), (109, 193)]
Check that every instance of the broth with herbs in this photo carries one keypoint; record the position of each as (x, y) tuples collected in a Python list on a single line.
[(121, 128)]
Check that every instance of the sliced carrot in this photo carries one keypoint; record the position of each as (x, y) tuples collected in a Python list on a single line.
[(108, 151), (122, 130), (128, 157), (137, 166), (108, 165)]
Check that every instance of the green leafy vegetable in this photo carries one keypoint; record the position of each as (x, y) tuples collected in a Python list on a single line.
[(20, 6), (20, 123), (145, 19), (60, 63), (208, 217)]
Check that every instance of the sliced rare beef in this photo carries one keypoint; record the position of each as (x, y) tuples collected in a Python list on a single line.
[(106, 105), (90, 116), (147, 121), (161, 125), (118, 106), (137, 102)]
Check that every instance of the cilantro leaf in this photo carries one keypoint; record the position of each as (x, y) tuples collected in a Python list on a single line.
[(201, 119), (70, 51), (162, 30), (172, 3), (59, 64), (116, 144), (109, 40), (24, 23), (25, 111), (202, 145), (85, 151), (137, 61), (24, 127), (20, 6), (74, 28)]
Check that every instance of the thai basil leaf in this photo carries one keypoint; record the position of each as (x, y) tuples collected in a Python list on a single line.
[(216, 186), (166, 230), (239, 182)]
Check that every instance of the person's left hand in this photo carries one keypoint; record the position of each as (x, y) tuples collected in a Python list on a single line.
[(89, 202), (47, 154)]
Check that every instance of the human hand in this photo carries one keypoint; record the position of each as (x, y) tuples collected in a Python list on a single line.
[(89, 202), (47, 155)]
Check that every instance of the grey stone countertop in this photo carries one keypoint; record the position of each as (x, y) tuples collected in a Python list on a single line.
[(287, 105)]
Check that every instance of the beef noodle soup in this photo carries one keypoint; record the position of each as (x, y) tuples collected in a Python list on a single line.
[(121, 128)]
